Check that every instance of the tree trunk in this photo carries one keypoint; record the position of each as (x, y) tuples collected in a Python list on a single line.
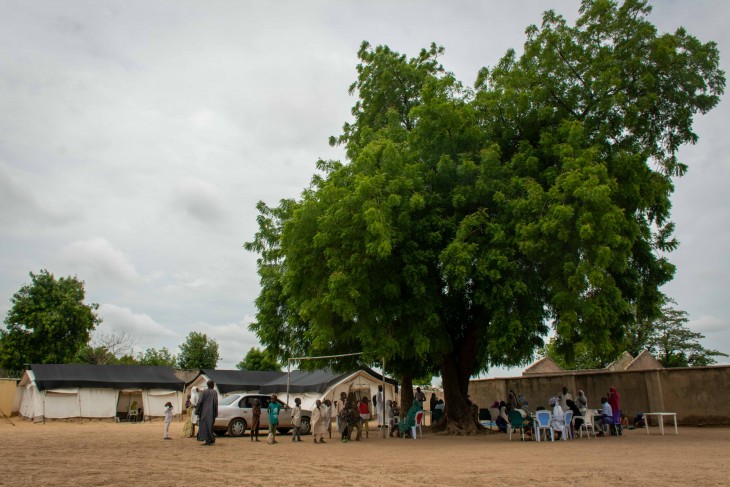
[(406, 394), (456, 369)]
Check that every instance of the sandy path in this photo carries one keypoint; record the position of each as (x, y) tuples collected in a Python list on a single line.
[(110, 454)]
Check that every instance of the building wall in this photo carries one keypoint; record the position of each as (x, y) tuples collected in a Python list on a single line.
[(7, 395), (699, 395)]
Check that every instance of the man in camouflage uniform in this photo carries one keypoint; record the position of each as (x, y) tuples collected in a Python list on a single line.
[(353, 417)]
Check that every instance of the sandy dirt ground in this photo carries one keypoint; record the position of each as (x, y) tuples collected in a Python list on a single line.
[(99, 453)]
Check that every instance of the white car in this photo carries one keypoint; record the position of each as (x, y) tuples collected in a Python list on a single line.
[(235, 416)]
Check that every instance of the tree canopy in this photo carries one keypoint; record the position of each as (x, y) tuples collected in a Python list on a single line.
[(48, 322), (257, 359), (466, 220), (153, 356), (198, 352), (672, 343)]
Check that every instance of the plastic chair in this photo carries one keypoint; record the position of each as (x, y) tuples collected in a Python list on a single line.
[(568, 433), (617, 423), (392, 425), (494, 413), (542, 422), (587, 423), (417, 426), (516, 422), (133, 413)]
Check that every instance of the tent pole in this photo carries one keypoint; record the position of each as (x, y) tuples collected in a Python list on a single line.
[(288, 378), (382, 406)]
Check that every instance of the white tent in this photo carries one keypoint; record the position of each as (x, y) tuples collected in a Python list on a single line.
[(231, 381), (324, 384), (97, 391)]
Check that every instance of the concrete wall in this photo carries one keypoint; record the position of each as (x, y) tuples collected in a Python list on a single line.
[(699, 395), (7, 396)]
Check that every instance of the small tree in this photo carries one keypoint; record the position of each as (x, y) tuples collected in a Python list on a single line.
[(153, 356), (198, 352), (48, 322), (107, 348), (257, 359), (675, 345)]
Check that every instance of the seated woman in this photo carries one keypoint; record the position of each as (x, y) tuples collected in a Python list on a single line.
[(502, 420), (410, 420), (557, 422), (577, 414)]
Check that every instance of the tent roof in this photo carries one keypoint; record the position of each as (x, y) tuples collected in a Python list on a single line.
[(57, 376), (240, 380), (304, 381), (315, 381)]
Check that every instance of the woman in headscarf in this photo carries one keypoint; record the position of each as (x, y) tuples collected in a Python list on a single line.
[(614, 400), (502, 420), (410, 420), (189, 426), (557, 422), (577, 414), (582, 401)]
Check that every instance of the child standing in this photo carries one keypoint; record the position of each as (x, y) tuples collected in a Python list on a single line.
[(328, 417), (273, 410), (364, 411), (296, 420), (168, 420), (256, 414)]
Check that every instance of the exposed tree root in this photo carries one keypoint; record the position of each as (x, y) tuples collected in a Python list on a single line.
[(456, 428)]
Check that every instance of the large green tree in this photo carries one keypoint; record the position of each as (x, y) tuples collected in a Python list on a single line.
[(48, 322), (466, 220), (257, 359), (198, 352)]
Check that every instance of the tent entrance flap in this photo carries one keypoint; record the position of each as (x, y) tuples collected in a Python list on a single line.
[(125, 401)]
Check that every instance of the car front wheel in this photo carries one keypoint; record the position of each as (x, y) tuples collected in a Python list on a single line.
[(237, 427), (306, 426)]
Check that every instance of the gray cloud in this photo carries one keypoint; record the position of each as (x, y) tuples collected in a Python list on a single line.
[(137, 138)]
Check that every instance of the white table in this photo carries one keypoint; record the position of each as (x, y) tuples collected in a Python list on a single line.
[(661, 421)]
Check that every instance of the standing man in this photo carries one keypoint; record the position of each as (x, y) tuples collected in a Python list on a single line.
[(380, 407), (339, 406), (207, 411)]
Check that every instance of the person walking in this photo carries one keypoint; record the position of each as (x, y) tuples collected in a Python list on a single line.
[(327, 408), (207, 411), (319, 416), (168, 420)]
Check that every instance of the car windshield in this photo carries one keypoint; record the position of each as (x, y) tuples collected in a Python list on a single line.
[(226, 401)]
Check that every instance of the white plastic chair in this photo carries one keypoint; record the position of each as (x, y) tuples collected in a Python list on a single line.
[(417, 426), (132, 415), (568, 433), (542, 422), (392, 425), (587, 423)]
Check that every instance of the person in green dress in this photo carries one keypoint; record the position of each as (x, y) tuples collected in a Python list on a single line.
[(273, 410), (410, 420)]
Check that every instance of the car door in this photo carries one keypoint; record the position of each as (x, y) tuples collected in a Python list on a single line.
[(264, 413), (245, 406)]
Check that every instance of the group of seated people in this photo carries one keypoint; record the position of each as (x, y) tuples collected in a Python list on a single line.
[(560, 404)]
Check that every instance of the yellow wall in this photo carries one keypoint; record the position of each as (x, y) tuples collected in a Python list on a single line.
[(699, 395), (7, 395)]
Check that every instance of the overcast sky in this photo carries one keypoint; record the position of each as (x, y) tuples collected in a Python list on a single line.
[(137, 136)]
